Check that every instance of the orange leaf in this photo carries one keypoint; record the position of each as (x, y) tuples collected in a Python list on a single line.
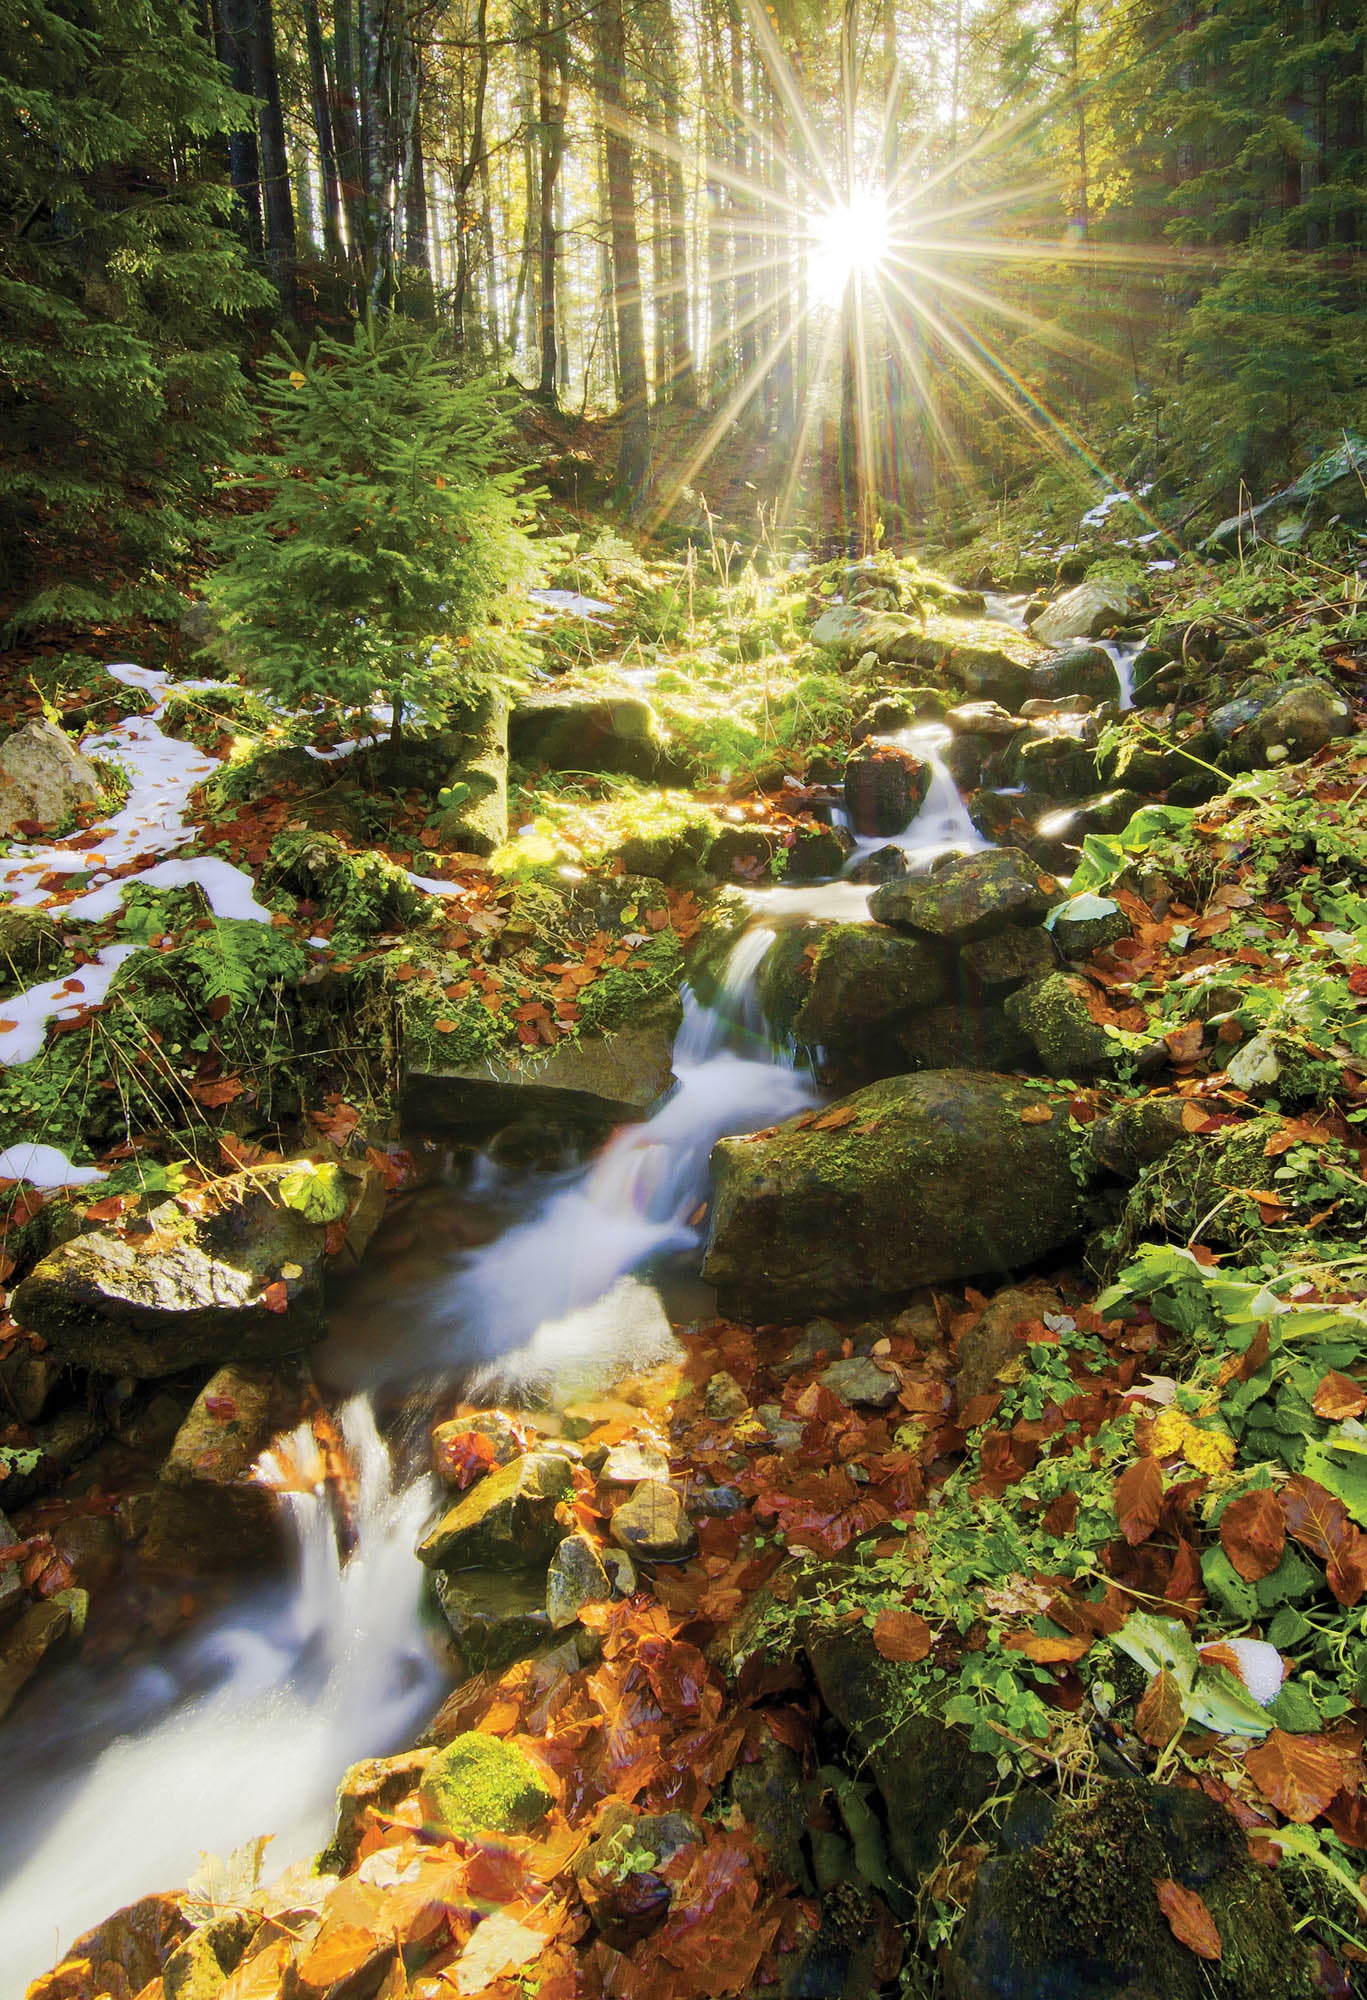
[(902, 1635), (404, 972), (1037, 1114), (1188, 1918), (1253, 1533), (1047, 1651), (1160, 1714), (1299, 1774), (843, 1114), (1139, 1500), (221, 1091), (1338, 1396), (340, 1951), (275, 1297)]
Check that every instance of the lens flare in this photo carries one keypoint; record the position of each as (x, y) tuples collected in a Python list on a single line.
[(850, 239)]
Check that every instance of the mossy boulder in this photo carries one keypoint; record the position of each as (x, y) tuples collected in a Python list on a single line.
[(828, 984), (496, 1616), (1077, 1916), (43, 778), (587, 732), (207, 1511), (242, 1284), (970, 898), (1084, 670), (1052, 1013), (509, 1518), (924, 1179), (1008, 958), (1087, 923), (1297, 721), (851, 631), (884, 788), (961, 1036), (588, 1079), (475, 820), (1089, 609), (479, 1784)]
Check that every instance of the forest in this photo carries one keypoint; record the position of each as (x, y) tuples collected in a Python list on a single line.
[(683, 940)]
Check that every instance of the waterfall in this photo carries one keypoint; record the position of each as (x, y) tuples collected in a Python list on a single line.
[(244, 1730)]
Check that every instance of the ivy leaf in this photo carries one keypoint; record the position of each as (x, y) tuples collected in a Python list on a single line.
[(1298, 1774), (1188, 1918), (1253, 1533)]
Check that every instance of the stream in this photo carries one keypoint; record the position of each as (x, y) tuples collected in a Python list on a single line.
[(117, 1780)]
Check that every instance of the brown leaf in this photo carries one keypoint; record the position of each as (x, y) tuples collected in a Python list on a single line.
[(1037, 1114), (275, 1296), (1046, 1651), (1160, 1714), (222, 1090), (1139, 1500), (843, 1114), (1184, 1044), (902, 1635), (1298, 1774), (1338, 1396), (1253, 1533), (1188, 1918)]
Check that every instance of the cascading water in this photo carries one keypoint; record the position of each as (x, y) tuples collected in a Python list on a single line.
[(1123, 656), (941, 825), (245, 1731)]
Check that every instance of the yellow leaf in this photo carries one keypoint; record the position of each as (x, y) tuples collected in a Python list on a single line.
[(297, 378), (441, 484)]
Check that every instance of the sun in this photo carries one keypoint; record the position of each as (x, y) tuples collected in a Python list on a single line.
[(848, 240)]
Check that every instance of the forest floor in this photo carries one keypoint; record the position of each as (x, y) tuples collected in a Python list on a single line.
[(1136, 1551)]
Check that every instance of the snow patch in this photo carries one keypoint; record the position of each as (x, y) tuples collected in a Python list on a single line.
[(44, 1167)]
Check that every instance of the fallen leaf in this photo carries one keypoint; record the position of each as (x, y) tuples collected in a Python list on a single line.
[(1338, 1396), (829, 1121), (340, 1951), (1160, 1713), (1188, 1918), (1139, 1500), (1046, 1650), (902, 1635), (1037, 1114), (1298, 1774), (275, 1296), (500, 1945), (1184, 1044), (222, 1090), (1253, 1533)]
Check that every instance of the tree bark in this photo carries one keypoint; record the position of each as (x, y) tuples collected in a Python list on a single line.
[(277, 203), (550, 114), (633, 464), (236, 32), (320, 92)]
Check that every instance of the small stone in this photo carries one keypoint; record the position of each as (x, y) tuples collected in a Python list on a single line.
[(861, 1380), (479, 1784), (576, 1577), (633, 1460), (989, 1352), (652, 1524), (724, 1398), (509, 1517), (618, 1875), (24, 1644), (786, 1432), (883, 864), (378, 1782), (705, 1500), (457, 1445), (1089, 923), (621, 1571), (1256, 1066)]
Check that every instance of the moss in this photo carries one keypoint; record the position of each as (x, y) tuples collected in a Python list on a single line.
[(365, 893), (31, 948), (204, 715), (478, 1784)]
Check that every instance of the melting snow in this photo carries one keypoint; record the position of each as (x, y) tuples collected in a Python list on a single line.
[(573, 604), (23, 1020), (44, 1167)]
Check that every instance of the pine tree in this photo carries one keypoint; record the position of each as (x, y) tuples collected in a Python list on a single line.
[(120, 280)]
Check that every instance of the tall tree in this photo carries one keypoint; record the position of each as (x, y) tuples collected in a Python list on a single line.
[(633, 463)]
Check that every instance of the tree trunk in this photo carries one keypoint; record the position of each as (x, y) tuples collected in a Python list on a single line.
[(683, 387), (236, 33), (633, 464), (277, 206), (321, 96), (550, 113), (346, 127)]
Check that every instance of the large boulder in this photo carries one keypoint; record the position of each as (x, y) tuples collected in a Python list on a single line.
[(594, 1079), (1076, 670), (971, 898), (1287, 726), (508, 1520), (242, 1284), (884, 787), (912, 1181), (852, 630), (1088, 610), (43, 778), (1053, 1013), (829, 985), (1077, 1917), (587, 732), (207, 1511), (987, 661)]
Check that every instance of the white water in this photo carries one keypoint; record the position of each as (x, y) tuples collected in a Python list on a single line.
[(1123, 657), (245, 1731), (941, 824)]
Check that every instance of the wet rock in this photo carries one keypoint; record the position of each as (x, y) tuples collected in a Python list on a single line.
[(860, 1380), (496, 1616), (971, 898), (1255, 1065), (884, 787), (479, 1784), (1056, 762), (587, 732), (785, 1433), (820, 1339), (149, 1424), (883, 717), (484, 1438), (577, 1576), (27, 1380), (121, 1957), (961, 1037), (508, 1518), (201, 1967), (1090, 608), (987, 661), (1134, 1135), (621, 1571), (852, 630), (933, 1177), (724, 1400), (982, 718), (91, 1547), (989, 1353), (856, 1949), (1077, 670), (43, 778), (848, 979), (818, 852), (595, 1079), (1088, 923), (1075, 1917), (244, 1284), (30, 946), (207, 1511), (1296, 723), (653, 1526), (1008, 958), (1052, 1012), (770, 1794), (618, 1874), (24, 1644), (633, 1460), (929, 1780)]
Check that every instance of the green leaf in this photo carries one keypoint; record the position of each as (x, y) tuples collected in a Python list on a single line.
[(1295, 1711), (318, 1193), (1159, 1645), (1220, 1701), (1339, 1463)]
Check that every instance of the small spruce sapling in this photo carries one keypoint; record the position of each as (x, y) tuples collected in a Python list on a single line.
[(378, 536)]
